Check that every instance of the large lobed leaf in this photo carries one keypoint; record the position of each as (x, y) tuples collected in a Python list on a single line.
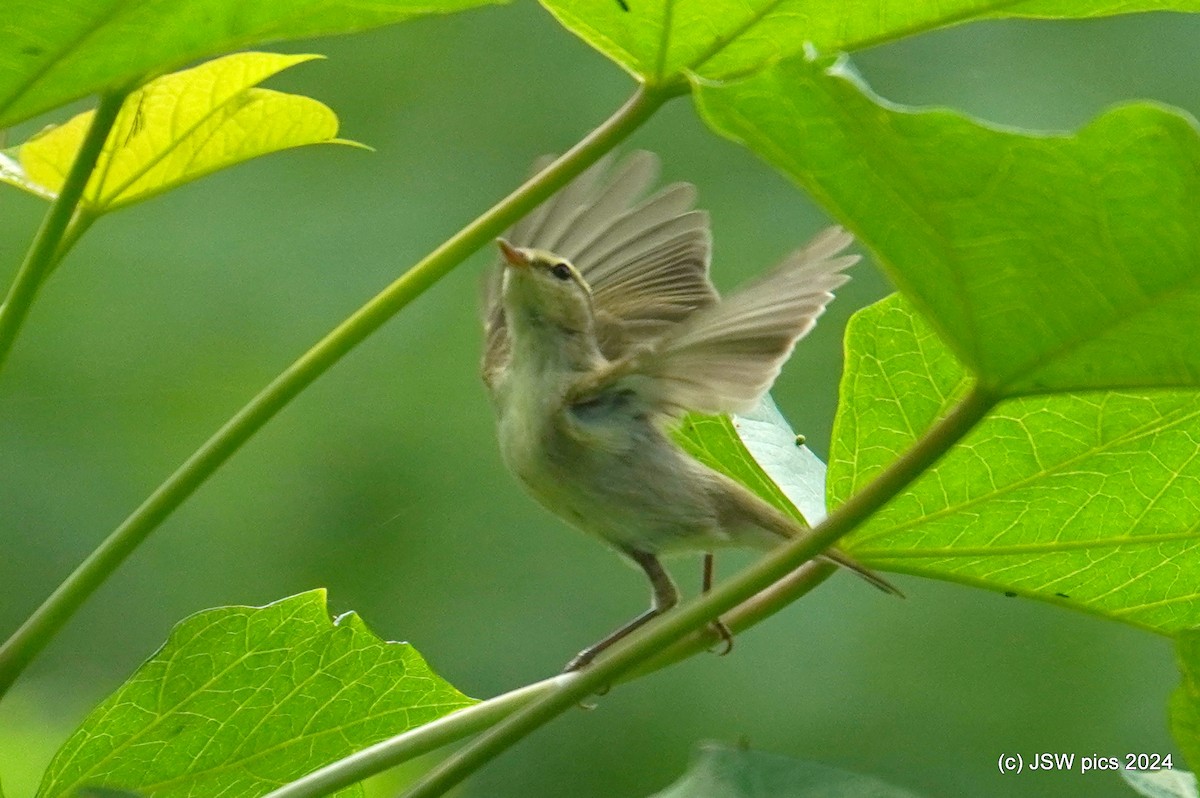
[(175, 129), (1049, 262), (242, 700), (55, 51), (659, 40), (1091, 500)]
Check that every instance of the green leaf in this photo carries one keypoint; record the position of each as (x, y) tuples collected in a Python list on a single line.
[(55, 51), (659, 40), (1162, 783), (760, 451), (176, 129), (1048, 262), (1185, 701), (242, 700), (718, 771), (781, 453), (898, 379), (1087, 500)]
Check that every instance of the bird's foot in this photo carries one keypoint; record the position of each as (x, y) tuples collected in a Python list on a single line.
[(719, 629)]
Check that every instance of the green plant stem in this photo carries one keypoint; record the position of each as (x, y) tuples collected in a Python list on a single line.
[(754, 595), (49, 245), (674, 626), (80, 224), (749, 613), (37, 631), (423, 739)]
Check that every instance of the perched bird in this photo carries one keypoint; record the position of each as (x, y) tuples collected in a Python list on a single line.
[(602, 328)]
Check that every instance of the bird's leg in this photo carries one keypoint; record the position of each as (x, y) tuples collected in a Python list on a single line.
[(718, 626), (665, 596)]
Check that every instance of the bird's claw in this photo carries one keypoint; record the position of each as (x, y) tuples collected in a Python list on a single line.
[(719, 628)]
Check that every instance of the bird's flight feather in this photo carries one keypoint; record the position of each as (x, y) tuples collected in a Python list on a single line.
[(659, 320)]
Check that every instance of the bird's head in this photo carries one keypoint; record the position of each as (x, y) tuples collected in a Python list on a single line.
[(544, 290)]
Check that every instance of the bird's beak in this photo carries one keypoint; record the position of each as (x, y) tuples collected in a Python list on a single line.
[(515, 257)]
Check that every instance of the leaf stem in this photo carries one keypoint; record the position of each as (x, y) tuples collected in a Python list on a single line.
[(82, 222), (751, 612), (674, 626), (49, 245), (465, 722), (36, 632)]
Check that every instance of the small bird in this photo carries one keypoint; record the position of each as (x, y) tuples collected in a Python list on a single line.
[(602, 329)]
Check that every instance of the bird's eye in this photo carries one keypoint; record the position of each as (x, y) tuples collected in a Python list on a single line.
[(561, 270)]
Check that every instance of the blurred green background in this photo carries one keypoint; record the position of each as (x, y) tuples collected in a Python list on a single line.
[(383, 482)]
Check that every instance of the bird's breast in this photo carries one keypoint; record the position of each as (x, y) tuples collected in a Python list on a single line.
[(617, 478)]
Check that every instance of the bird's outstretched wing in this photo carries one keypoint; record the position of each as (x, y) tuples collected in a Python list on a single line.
[(724, 357), (646, 261)]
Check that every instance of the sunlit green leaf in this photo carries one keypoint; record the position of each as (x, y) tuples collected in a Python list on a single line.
[(718, 771), (177, 128), (899, 379), (55, 51), (1090, 500), (242, 700), (760, 451), (1047, 261), (716, 39)]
